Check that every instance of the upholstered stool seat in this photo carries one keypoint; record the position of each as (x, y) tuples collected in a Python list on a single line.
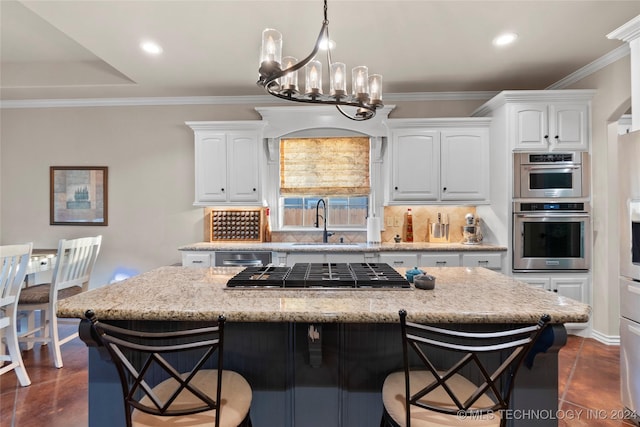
[(235, 401), (394, 401)]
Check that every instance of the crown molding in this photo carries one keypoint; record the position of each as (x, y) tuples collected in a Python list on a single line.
[(220, 100), (627, 32), (592, 67)]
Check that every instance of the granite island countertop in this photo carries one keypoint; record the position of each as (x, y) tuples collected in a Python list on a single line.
[(461, 295), (341, 247)]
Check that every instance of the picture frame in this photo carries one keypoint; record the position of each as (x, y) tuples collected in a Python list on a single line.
[(78, 195)]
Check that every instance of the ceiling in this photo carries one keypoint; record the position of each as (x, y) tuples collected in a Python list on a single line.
[(90, 48)]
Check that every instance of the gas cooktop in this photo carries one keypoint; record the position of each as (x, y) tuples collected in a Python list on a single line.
[(321, 275)]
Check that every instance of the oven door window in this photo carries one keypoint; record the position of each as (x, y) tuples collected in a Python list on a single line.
[(549, 239), (546, 180)]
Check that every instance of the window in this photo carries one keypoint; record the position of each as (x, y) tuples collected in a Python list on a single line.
[(335, 169), (341, 211)]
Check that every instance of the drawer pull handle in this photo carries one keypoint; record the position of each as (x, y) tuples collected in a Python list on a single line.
[(196, 262), (398, 262), (485, 262), (633, 289), (441, 262)]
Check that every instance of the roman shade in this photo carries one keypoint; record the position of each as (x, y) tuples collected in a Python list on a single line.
[(324, 166)]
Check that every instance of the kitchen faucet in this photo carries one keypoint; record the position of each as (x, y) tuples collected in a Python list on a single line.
[(325, 234)]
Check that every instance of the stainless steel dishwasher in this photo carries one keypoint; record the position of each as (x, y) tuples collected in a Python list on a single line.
[(242, 258)]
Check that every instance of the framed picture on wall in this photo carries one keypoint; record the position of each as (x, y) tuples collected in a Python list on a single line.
[(78, 195)]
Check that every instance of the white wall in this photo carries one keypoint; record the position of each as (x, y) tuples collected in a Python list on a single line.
[(149, 152), (613, 86)]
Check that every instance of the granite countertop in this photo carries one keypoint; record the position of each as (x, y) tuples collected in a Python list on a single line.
[(461, 295), (338, 247)]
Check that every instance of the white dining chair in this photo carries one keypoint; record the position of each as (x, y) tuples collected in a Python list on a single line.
[(14, 260), (74, 265)]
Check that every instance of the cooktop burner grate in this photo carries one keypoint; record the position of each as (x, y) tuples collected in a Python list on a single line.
[(321, 275)]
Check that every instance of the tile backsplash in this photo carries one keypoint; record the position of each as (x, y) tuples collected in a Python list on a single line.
[(394, 217)]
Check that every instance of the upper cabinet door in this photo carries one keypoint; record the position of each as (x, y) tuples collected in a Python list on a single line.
[(244, 176), (530, 124), (227, 163), (557, 126), (464, 165), (569, 127), (211, 167), (415, 167)]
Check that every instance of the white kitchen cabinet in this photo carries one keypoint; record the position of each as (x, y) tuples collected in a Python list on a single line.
[(491, 261), (196, 258), (570, 285), (227, 163), (464, 165), (415, 165), (400, 259), (440, 259), (550, 126), (439, 160)]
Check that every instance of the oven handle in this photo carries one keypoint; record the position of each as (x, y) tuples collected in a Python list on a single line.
[(559, 168), (552, 215)]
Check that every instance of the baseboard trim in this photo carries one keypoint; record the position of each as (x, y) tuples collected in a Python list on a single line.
[(605, 339)]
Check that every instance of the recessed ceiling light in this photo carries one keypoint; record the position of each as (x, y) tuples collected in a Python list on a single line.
[(505, 39), (151, 48)]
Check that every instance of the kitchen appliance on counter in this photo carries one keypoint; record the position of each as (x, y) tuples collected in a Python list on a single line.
[(321, 275), (471, 231), (551, 175), (551, 236), (629, 191)]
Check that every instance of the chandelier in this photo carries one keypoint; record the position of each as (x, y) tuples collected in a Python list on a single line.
[(366, 93)]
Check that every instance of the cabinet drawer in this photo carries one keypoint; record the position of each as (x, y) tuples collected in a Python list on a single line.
[(492, 261), (440, 260), (630, 299), (399, 260), (196, 260)]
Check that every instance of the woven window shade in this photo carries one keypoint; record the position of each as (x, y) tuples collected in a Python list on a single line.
[(324, 166)]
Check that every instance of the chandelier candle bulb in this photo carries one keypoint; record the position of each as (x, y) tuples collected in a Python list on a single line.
[(338, 81), (271, 47), (290, 80), (313, 82), (375, 86), (360, 82)]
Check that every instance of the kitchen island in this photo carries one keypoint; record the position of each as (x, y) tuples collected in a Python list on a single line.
[(334, 380)]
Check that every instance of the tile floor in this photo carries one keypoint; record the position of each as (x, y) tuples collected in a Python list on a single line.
[(589, 385)]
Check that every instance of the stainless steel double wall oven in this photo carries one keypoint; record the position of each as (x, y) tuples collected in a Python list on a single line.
[(551, 215)]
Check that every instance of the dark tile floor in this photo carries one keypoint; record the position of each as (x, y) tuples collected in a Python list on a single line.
[(589, 388)]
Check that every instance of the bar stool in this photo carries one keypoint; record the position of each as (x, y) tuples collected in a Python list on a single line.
[(199, 397), (430, 395)]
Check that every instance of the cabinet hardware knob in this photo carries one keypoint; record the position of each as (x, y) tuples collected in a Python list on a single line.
[(395, 188), (254, 189), (444, 189), (546, 137), (222, 189), (557, 137)]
